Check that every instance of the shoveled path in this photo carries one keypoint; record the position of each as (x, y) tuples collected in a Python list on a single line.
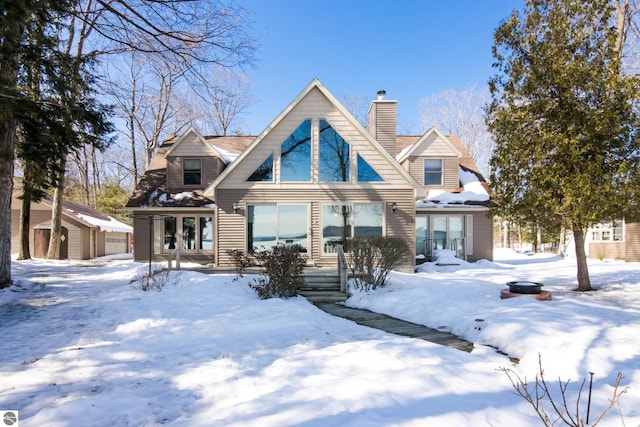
[(395, 326)]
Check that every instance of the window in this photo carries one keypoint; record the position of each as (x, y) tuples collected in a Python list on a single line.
[(206, 233), (440, 232), (295, 154), (366, 173), (188, 233), (341, 222), (191, 171), (264, 171), (433, 172), (334, 155), (367, 220), (422, 236), (194, 234), (169, 233), (272, 224), (608, 231)]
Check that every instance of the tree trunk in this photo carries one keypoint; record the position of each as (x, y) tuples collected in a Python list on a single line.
[(584, 283), (56, 218), (7, 141), (10, 40), (25, 220)]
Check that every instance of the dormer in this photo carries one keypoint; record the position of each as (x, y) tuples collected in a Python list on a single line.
[(433, 161), (193, 163)]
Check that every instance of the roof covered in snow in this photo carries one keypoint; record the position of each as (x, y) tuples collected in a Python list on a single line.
[(93, 217)]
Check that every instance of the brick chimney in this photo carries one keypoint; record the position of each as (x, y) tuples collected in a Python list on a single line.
[(382, 122)]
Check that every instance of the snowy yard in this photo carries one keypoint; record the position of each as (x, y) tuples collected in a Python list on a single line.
[(82, 346)]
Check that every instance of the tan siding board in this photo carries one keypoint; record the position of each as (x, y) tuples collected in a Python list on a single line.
[(482, 237), (211, 168), (614, 250), (192, 146), (632, 240), (450, 170)]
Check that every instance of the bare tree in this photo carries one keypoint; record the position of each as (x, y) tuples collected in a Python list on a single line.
[(358, 106), (221, 97), (460, 113), (185, 33)]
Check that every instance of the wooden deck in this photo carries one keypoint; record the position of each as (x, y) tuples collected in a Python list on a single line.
[(396, 326)]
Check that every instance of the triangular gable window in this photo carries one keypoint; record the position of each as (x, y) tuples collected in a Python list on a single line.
[(295, 154), (264, 171), (366, 173), (334, 155)]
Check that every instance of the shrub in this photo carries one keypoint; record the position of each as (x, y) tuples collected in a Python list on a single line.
[(155, 281), (372, 258), (240, 261), (552, 409), (282, 271)]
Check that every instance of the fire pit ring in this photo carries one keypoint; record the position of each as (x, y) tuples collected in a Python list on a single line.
[(525, 287)]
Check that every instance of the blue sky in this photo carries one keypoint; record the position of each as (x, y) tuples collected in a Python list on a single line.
[(412, 49)]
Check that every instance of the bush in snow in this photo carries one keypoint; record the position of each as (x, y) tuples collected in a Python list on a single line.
[(154, 281), (538, 393), (372, 258), (282, 268), (241, 261)]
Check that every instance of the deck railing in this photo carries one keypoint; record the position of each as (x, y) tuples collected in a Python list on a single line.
[(342, 268)]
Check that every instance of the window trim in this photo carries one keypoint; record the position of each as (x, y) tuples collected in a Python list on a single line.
[(184, 171), (352, 223), (277, 222), (178, 218), (424, 171)]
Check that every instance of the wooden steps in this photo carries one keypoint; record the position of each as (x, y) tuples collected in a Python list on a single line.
[(322, 285)]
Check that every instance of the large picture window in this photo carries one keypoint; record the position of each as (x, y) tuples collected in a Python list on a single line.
[(271, 224), (192, 171), (334, 155), (340, 222)]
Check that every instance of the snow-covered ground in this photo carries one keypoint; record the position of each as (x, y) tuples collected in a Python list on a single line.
[(82, 346)]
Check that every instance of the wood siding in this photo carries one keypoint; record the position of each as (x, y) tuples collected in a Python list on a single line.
[(482, 237), (632, 239), (211, 168), (611, 250), (450, 171), (382, 124), (41, 218)]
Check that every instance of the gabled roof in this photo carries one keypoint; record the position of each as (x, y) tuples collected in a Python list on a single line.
[(219, 153), (90, 217), (151, 190), (315, 84), (417, 146)]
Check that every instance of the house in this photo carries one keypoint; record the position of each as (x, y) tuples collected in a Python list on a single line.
[(618, 239), (87, 232), (314, 177)]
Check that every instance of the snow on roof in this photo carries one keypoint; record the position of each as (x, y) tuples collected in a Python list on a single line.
[(93, 217), (473, 192), (227, 155), (110, 225)]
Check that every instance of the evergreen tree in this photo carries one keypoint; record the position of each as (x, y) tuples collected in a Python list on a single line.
[(562, 114)]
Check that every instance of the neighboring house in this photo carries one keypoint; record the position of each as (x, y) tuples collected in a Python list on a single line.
[(313, 178), (87, 232), (619, 239)]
